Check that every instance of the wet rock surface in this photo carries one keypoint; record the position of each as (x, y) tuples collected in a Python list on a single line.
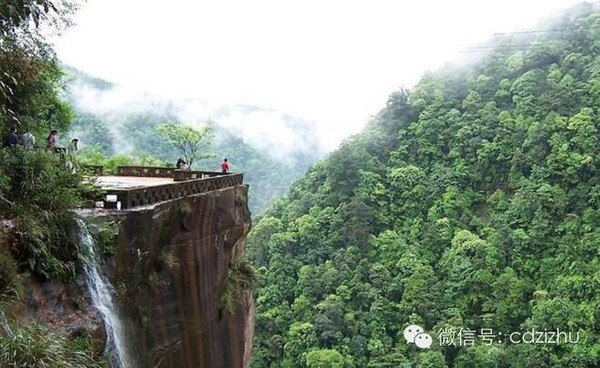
[(169, 274)]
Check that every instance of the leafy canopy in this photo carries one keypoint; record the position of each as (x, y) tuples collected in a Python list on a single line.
[(471, 201), (190, 142), (18, 14)]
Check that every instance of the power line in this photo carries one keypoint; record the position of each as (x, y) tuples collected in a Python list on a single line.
[(522, 46), (546, 30), (499, 46), (493, 49), (534, 31), (496, 48)]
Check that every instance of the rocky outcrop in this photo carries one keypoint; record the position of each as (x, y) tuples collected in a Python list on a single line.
[(170, 273)]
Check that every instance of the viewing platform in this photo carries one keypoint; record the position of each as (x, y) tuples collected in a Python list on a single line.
[(135, 186)]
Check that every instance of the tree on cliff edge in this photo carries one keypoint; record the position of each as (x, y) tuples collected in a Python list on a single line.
[(190, 141)]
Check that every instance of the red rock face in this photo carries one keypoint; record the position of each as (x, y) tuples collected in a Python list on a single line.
[(169, 274)]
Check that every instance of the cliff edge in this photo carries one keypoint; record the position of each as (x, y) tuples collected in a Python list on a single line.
[(172, 275)]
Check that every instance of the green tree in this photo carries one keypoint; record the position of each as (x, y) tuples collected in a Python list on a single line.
[(189, 141), (301, 339), (324, 358), (19, 14)]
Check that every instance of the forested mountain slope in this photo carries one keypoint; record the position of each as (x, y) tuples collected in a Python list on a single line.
[(470, 202)]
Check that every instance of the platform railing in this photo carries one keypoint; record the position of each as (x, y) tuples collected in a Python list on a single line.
[(157, 172), (135, 197), (181, 175), (147, 171), (97, 170)]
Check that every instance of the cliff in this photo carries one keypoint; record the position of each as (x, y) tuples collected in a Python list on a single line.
[(170, 273), (181, 298)]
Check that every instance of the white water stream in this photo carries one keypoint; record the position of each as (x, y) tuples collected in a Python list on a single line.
[(102, 292)]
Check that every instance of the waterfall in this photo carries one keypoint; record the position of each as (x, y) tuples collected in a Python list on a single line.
[(102, 292)]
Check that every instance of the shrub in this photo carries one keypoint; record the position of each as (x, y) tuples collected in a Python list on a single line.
[(105, 239), (43, 189), (11, 285), (35, 346), (241, 279), (93, 155)]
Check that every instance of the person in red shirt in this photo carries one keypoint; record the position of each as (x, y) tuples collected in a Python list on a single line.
[(224, 167)]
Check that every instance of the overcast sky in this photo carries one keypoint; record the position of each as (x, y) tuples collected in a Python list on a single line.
[(329, 61)]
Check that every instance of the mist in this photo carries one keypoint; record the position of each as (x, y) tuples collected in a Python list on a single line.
[(331, 64), (275, 133)]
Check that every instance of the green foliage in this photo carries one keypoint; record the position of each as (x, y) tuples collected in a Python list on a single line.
[(93, 155), (11, 283), (43, 190), (35, 346), (185, 208), (111, 163), (430, 359), (30, 78), (470, 202), (324, 359), (241, 280), (93, 130), (29, 89), (105, 240), (189, 141), (19, 14)]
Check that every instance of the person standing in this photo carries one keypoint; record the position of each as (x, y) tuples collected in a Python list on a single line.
[(74, 145), (11, 139), (181, 164), (224, 167), (51, 140), (28, 140)]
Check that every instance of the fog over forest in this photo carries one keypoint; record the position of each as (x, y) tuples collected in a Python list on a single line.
[(272, 132)]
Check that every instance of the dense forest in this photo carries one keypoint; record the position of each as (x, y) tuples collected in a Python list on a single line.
[(469, 203), (130, 137)]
